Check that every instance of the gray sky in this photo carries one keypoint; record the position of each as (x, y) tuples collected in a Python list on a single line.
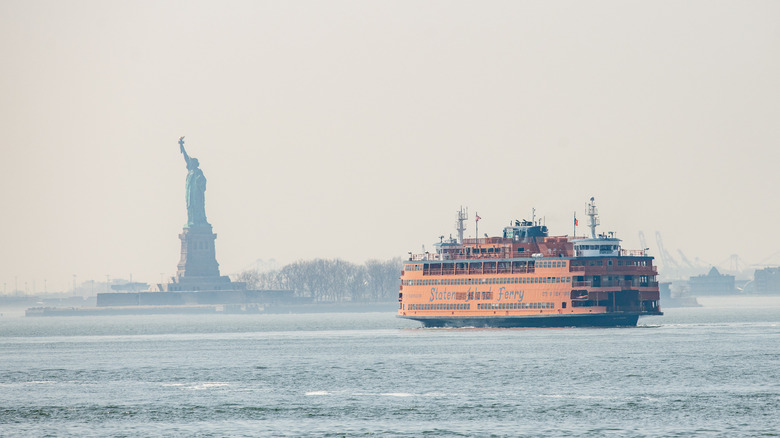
[(355, 129)]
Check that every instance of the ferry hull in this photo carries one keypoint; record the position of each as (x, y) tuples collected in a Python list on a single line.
[(571, 320)]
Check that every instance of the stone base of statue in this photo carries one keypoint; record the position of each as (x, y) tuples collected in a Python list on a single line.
[(198, 269), (198, 257), (200, 284)]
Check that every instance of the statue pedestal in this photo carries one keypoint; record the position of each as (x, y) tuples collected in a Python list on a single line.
[(198, 269), (198, 257)]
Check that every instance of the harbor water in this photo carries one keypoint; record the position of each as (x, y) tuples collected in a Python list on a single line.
[(711, 371)]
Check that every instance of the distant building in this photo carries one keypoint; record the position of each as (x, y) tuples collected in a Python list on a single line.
[(767, 280), (675, 299), (130, 287), (713, 283)]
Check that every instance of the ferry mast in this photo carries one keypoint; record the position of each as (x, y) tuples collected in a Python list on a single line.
[(593, 214), (463, 215)]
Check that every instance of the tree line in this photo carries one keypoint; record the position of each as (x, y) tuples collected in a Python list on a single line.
[(332, 280)]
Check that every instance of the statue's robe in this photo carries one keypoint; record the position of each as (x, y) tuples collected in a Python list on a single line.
[(196, 198)]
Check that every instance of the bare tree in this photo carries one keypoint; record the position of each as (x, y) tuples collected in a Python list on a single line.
[(332, 280)]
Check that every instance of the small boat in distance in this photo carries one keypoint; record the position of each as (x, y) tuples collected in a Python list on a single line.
[(526, 278)]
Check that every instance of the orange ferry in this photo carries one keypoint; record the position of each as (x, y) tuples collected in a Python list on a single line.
[(526, 278)]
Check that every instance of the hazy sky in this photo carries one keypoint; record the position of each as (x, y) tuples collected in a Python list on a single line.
[(356, 129)]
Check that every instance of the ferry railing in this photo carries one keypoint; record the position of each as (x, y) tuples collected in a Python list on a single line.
[(485, 256), (650, 270), (483, 240), (480, 256), (426, 256), (626, 284), (615, 283), (479, 270), (629, 268), (633, 253)]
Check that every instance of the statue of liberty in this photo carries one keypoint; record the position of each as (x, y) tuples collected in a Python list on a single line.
[(196, 191)]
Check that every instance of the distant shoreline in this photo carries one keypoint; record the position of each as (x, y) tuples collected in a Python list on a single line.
[(213, 309)]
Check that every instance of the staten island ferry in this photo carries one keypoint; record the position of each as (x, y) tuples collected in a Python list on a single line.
[(526, 278)]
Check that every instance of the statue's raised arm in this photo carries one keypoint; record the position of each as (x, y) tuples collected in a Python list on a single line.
[(181, 148)]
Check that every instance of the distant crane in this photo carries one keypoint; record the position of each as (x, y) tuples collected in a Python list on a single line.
[(685, 259), (642, 240), (666, 258)]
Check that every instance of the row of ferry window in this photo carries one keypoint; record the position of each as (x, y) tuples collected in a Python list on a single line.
[(598, 247), (480, 306), (467, 281), (502, 306), (551, 264), (440, 306), (539, 264), (600, 262)]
